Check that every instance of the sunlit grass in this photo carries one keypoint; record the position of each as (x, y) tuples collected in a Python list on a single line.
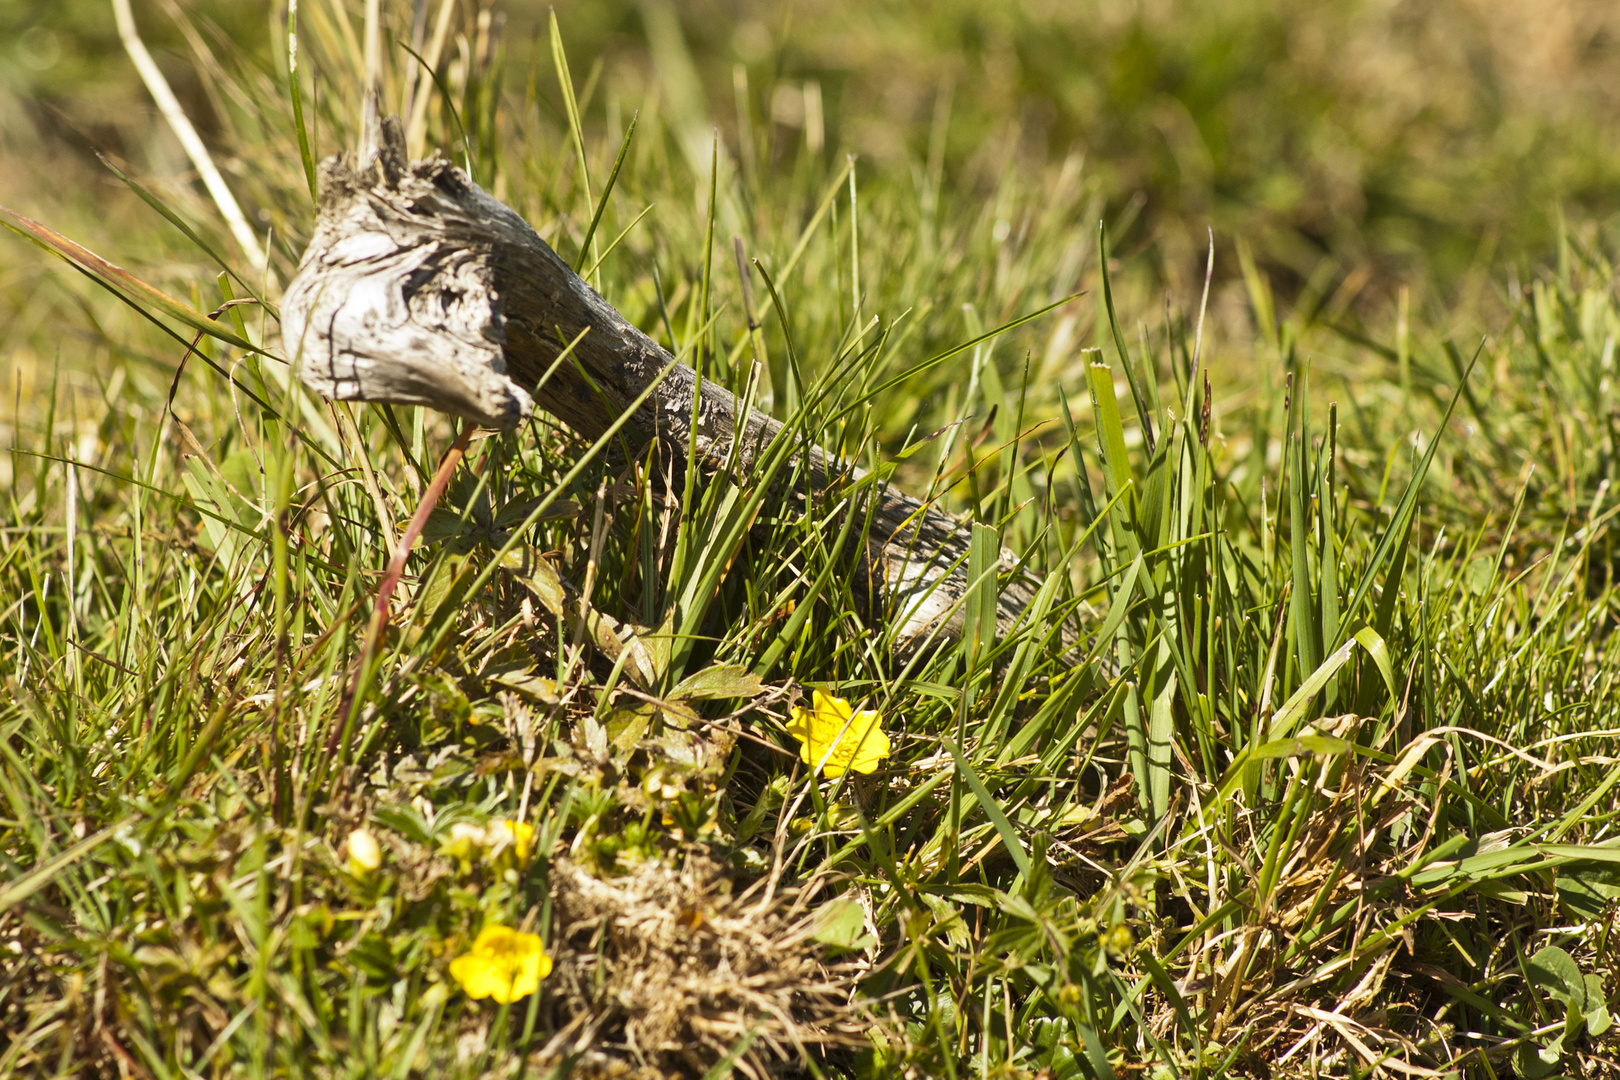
[(1327, 780)]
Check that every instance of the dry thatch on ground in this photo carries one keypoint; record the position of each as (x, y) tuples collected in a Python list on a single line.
[(664, 972)]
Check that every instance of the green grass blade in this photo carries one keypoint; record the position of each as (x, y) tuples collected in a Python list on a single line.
[(1004, 827), (585, 245)]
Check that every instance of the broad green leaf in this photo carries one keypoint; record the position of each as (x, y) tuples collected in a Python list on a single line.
[(1111, 443), (1301, 745), (1534, 1062), (719, 682), (1555, 971), (532, 686), (443, 524), (625, 727), (1596, 1012), (544, 581), (1380, 657), (1586, 889), (514, 514), (441, 586), (840, 923)]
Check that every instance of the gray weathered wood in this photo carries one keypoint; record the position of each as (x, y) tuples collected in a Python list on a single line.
[(419, 288)]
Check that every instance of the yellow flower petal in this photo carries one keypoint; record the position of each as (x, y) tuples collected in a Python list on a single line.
[(365, 854), (517, 833), (503, 964), (479, 977), (834, 737)]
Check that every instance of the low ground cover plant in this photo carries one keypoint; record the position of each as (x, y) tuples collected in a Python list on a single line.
[(1300, 763)]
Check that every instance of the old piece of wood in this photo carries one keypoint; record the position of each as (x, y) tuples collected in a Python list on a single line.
[(419, 288)]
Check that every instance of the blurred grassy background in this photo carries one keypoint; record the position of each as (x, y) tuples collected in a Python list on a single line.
[(1358, 149), (1355, 145)]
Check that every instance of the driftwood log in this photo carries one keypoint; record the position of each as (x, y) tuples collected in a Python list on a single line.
[(419, 288)]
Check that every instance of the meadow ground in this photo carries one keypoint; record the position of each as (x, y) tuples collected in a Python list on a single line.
[(1326, 788)]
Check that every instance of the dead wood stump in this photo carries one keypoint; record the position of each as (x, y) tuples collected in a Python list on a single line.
[(418, 288)]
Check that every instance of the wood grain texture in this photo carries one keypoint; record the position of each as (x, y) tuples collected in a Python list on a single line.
[(419, 288)]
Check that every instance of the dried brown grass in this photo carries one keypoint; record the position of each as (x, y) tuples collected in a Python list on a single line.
[(664, 971)]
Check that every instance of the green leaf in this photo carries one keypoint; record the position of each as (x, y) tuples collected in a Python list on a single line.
[(536, 687), (718, 683), (625, 727), (441, 585), (516, 513), (374, 956), (443, 524), (1586, 889), (586, 245), (1096, 1055), (1596, 1012), (728, 1064), (1111, 443), (1293, 709), (404, 820), (42, 874), (1400, 526), (1380, 657), (137, 292), (984, 560), (1555, 971), (1167, 986), (645, 651), (1159, 751), (947, 920), (1009, 835), (544, 581), (1300, 745), (1533, 1062), (841, 924)]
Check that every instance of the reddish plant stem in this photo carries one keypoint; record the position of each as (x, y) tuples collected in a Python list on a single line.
[(385, 591)]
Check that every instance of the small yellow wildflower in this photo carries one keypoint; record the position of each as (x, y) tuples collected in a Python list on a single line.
[(662, 784), (365, 854), (1119, 939), (519, 834), (465, 841), (504, 964), (834, 736)]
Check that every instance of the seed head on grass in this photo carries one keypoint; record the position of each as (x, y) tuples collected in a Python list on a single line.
[(504, 964), (834, 737)]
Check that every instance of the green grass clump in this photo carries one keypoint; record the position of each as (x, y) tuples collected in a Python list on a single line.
[(1325, 786)]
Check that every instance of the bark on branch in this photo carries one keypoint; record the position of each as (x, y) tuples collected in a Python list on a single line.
[(419, 288)]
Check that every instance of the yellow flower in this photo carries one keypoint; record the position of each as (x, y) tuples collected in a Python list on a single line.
[(365, 854), (504, 964), (832, 735), (520, 835), (463, 842)]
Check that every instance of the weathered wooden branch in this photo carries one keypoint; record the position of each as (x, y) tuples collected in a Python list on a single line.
[(419, 288)]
